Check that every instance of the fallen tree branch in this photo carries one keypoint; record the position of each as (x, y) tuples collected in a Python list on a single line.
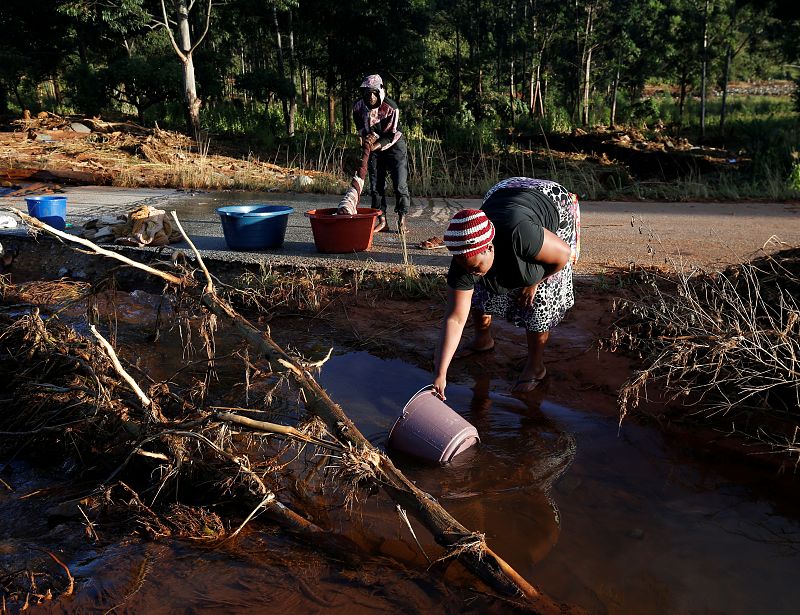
[(275, 428), (71, 586), (209, 282), (95, 249), (146, 402)]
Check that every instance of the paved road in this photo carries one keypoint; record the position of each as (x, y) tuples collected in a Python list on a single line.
[(706, 234)]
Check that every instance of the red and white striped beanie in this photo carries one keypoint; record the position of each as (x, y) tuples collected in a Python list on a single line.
[(469, 233)]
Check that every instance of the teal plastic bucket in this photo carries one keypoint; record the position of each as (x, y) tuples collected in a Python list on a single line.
[(254, 227), (52, 210)]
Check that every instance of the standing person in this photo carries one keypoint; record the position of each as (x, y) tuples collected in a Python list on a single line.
[(377, 119), (512, 258)]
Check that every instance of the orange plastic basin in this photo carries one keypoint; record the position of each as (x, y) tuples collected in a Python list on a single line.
[(340, 234)]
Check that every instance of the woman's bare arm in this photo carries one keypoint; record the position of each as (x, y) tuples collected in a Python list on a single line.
[(554, 253), (455, 317)]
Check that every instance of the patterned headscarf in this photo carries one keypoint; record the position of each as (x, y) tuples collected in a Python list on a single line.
[(373, 83)]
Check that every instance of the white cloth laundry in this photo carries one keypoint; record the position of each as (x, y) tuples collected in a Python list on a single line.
[(7, 222)]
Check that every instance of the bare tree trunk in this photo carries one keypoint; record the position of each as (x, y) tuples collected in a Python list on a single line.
[(524, 70), (615, 89), (331, 89), (458, 68), (190, 86), (512, 94), (185, 50), (292, 76), (576, 94), (586, 87), (242, 72), (534, 83), (541, 88), (193, 102), (304, 86), (287, 118), (331, 109), (584, 69), (703, 74), (532, 90), (725, 77)]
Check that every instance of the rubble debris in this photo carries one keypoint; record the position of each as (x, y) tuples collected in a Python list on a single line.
[(143, 226)]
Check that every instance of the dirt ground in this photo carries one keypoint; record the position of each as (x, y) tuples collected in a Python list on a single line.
[(55, 150)]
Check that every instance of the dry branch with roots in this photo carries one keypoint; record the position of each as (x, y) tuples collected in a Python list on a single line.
[(727, 344), (59, 381)]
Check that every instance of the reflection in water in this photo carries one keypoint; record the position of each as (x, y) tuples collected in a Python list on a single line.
[(501, 487)]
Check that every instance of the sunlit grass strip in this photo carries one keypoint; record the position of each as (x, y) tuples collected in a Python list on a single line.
[(308, 290)]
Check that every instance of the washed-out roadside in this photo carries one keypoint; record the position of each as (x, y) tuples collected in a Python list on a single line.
[(708, 235)]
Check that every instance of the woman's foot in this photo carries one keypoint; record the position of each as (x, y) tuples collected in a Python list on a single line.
[(527, 383), (474, 348), (432, 243)]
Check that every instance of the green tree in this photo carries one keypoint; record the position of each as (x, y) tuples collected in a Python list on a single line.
[(184, 44)]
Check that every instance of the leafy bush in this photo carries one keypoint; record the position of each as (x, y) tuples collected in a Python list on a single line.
[(796, 95), (556, 119), (483, 107), (794, 175), (644, 111), (263, 83)]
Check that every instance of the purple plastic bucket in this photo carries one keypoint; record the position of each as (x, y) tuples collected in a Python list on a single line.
[(430, 429)]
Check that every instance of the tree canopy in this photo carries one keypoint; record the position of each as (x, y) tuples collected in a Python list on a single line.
[(445, 60)]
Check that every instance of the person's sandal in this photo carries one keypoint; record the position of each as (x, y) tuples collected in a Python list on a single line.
[(432, 243), (380, 223)]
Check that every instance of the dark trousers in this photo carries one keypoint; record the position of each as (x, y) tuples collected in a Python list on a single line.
[(395, 161)]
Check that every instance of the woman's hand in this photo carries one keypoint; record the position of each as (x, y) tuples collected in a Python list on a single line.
[(439, 385), (527, 295)]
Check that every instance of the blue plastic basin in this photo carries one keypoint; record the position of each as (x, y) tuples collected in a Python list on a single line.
[(49, 209), (254, 227)]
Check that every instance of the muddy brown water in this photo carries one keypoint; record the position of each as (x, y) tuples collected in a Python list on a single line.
[(614, 520)]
